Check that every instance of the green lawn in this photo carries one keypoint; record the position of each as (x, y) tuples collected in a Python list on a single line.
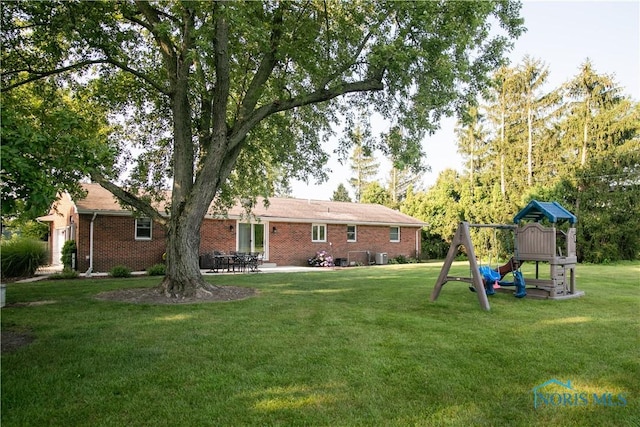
[(360, 346)]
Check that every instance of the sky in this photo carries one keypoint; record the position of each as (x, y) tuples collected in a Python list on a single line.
[(562, 34)]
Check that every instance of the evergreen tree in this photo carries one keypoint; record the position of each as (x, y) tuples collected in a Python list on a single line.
[(363, 165), (535, 103), (591, 96), (403, 172), (501, 112), (399, 182), (584, 155), (341, 194), (473, 145)]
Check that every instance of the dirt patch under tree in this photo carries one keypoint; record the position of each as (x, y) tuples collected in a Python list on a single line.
[(155, 296)]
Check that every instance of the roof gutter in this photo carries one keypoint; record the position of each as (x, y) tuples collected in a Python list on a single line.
[(339, 221)]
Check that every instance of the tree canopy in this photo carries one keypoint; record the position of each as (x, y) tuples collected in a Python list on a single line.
[(51, 139), (584, 155), (209, 92)]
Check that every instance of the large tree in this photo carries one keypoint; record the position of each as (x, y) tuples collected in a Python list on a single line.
[(210, 91)]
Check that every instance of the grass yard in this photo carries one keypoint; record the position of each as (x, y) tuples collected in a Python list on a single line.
[(360, 346)]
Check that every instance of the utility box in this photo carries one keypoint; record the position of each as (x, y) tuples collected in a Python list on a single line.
[(342, 262), (382, 258)]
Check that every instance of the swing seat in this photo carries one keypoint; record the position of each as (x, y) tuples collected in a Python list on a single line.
[(488, 274)]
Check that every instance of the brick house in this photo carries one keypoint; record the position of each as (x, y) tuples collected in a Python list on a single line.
[(288, 232)]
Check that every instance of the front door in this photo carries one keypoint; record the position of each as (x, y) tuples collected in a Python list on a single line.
[(251, 238), (59, 237)]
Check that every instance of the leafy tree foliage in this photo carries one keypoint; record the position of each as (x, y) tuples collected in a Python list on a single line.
[(51, 140), (209, 92), (376, 194), (341, 194)]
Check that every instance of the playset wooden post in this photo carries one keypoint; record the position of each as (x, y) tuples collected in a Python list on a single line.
[(462, 237)]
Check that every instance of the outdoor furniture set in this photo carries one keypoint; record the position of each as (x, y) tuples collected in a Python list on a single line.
[(235, 261)]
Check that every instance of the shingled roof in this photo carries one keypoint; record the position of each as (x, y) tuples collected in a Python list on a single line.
[(280, 209), (553, 211)]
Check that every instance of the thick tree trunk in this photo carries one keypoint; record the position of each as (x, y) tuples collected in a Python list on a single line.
[(183, 278)]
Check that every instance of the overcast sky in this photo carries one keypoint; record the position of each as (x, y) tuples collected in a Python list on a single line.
[(563, 34)]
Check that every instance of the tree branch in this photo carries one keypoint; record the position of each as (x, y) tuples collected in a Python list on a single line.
[(221, 90), (130, 199), (373, 83), (350, 64), (167, 48), (266, 67), (36, 75), (140, 75)]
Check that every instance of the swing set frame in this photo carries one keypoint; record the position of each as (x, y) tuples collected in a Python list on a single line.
[(463, 238)]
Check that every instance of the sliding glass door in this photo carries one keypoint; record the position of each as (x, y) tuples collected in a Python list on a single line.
[(251, 238)]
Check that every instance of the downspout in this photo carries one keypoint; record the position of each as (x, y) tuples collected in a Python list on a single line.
[(90, 270)]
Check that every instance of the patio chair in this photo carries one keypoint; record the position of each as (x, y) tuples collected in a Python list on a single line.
[(252, 261), (237, 261)]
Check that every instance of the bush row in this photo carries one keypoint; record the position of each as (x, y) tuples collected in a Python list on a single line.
[(22, 256)]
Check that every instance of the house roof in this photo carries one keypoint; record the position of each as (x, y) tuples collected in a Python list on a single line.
[(537, 211), (279, 209)]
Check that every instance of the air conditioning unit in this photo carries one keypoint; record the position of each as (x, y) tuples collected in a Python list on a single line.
[(382, 258)]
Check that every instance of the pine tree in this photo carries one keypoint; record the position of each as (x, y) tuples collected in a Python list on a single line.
[(590, 97), (341, 194), (399, 182), (473, 145), (363, 164), (534, 104), (501, 113)]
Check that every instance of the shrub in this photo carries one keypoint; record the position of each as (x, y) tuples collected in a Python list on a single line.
[(157, 270), (400, 259), (68, 249), (120, 271), (22, 256), (322, 259), (66, 273)]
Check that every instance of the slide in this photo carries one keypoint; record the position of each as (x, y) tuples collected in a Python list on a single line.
[(508, 267)]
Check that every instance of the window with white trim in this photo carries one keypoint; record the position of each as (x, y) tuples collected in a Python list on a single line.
[(394, 234), (318, 232), (143, 228), (351, 233)]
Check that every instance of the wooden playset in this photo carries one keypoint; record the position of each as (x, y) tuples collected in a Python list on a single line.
[(533, 242)]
